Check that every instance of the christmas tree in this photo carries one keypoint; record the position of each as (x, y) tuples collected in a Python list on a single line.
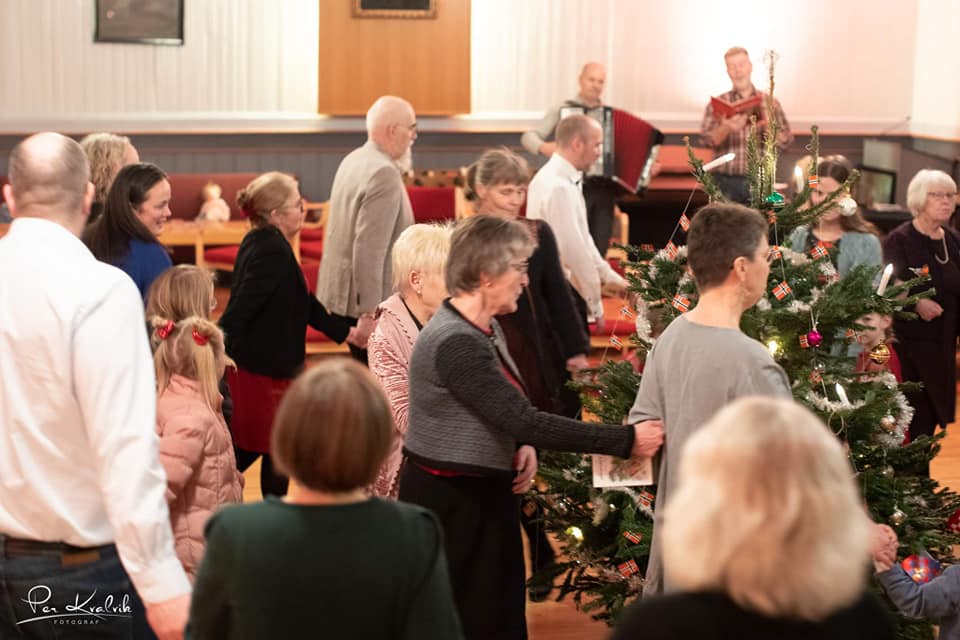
[(807, 320)]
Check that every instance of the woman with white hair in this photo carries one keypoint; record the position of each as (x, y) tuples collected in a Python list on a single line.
[(765, 536), (419, 256), (927, 345)]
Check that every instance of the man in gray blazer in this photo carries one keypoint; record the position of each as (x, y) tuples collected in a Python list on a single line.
[(369, 208)]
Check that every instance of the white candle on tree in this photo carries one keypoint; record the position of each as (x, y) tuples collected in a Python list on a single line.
[(885, 279)]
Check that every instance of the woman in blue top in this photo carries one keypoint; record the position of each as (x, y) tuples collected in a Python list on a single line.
[(855, 238), (125, 235)]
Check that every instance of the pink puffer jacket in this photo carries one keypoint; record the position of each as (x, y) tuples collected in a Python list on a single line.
[(196, 451)]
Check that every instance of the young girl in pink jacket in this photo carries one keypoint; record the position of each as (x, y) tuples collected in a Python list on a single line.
[(196, 449)]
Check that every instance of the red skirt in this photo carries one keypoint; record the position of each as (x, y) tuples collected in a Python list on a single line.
[(255, 402)]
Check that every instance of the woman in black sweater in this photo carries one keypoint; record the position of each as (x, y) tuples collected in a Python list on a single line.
[(266, 318), (765, 536)]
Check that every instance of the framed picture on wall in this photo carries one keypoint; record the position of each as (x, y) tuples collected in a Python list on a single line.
[(140, 21), (394, 8)]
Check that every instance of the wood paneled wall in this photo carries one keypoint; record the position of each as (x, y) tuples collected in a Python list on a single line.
[(426, 61)]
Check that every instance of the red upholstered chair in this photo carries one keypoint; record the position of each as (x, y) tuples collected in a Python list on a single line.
[(317, 341), (433, 204)]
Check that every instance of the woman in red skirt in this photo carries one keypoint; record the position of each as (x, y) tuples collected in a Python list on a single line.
[(266, 319)]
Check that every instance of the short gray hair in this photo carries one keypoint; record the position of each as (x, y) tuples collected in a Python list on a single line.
[(484, 245), (421, 247), (921, 184), (761, 482), (573, 127)]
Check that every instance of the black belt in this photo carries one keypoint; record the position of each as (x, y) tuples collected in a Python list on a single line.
[(18, 547)]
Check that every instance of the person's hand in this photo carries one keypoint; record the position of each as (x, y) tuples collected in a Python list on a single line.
[(547, 148), (613, 290), (168, 618), (928, 309), (577, 362), (359, 334), (883, 547), (648, 436), (525, 464)]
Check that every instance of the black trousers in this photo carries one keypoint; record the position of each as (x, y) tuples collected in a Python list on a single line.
[(600, 196), (483, 547), (271, 482)]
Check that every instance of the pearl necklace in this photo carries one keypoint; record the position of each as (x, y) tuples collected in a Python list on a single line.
[(946, 254)]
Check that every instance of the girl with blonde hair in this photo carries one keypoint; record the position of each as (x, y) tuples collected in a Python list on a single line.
[(196, 449)]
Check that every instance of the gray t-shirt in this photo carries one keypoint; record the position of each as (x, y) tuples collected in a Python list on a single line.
[(692, 372)]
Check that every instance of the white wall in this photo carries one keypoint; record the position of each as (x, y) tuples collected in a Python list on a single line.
[(846, 64), (854, 66), (255, 56), (936, 70)]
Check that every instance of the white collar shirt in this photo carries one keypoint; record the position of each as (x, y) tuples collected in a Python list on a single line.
[(556, 196), (79, 458)]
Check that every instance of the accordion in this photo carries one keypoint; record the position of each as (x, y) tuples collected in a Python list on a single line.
[(630, 146)]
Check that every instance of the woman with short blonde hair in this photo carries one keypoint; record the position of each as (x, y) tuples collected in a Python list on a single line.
[(765, 536), (107, 153), (419, 256)]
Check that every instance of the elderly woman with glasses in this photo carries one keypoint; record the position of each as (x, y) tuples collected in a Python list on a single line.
[(266, 318), (472, 428), (927, 345)]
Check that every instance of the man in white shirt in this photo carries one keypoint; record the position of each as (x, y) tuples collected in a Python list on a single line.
[(555, 196), (83, 511)]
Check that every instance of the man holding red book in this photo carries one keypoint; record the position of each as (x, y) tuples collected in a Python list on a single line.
[(726, 123)]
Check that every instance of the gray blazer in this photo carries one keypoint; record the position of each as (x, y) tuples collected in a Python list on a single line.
[(369, 208)]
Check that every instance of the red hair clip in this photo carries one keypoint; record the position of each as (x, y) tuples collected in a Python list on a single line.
[(164, 332), (199, 338)]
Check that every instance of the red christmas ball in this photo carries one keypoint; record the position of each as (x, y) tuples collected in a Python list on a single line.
[(814, 338), (953, 522)]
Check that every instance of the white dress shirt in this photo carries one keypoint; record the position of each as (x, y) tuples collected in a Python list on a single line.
[(556, 195), (78, 446)]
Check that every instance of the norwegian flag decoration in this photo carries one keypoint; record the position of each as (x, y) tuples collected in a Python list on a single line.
[(684, 222), (617, 343), (671, 250), (818, 251), (628, 568), (775, 253), (804, 343), (680, 303), (645, 499), (953, 522), (648, 248), (626, 312), (633, 536), (772, 217), (816, 377), (813, 181), (782, 290)]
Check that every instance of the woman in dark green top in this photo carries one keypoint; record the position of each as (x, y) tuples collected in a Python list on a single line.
[(326, 561)]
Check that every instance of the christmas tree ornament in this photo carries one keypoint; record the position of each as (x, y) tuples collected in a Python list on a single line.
[(681, 303), (645, 499), (672, 250), (953, 522), (633, 536), (880, 354), (848, 206), (782, 290), (628, 568), (684, 222), (888, 423), (887, 472), (921, 568), (898, 517), (575, 532), (814, 338), (813, 181), (819, 251), (775, 201), (816, 375), (804, 343), (647, 248)]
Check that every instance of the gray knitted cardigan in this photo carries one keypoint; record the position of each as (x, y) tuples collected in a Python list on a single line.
[(466, 417)]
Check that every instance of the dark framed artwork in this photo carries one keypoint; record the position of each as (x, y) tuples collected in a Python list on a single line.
[(394, 8), (140, 21)]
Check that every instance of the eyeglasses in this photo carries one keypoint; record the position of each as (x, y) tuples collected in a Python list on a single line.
[(520, 267), (939, 195)]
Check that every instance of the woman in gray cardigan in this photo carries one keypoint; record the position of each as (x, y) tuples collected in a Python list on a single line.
[(470, 419)]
